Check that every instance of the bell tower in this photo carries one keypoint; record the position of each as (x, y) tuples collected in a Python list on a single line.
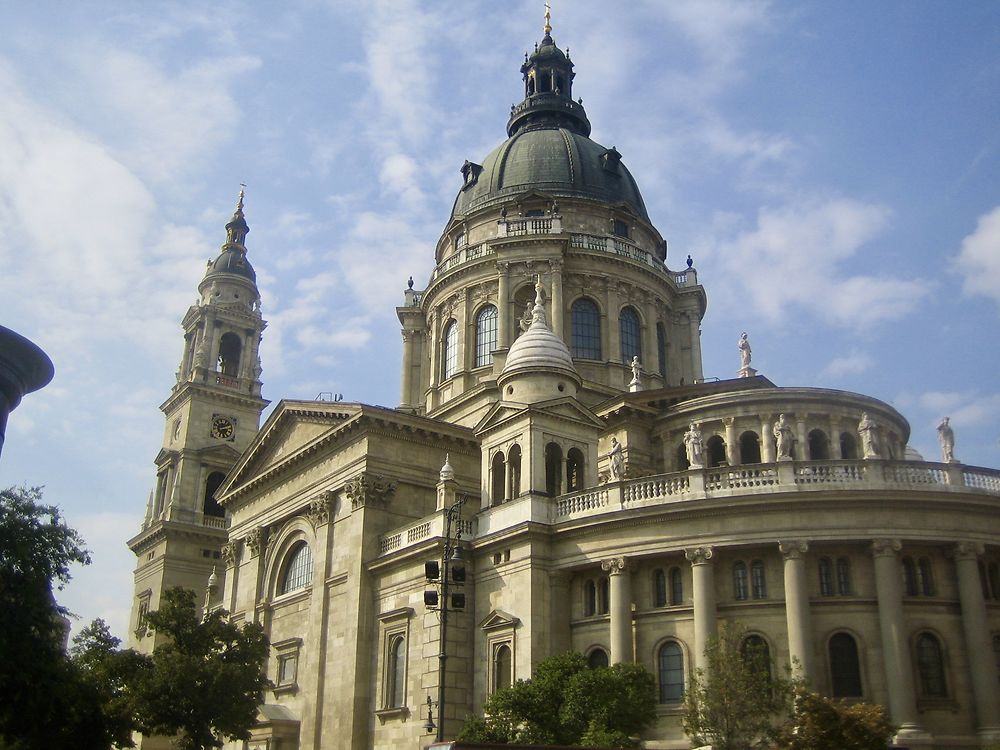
[(212, 413)]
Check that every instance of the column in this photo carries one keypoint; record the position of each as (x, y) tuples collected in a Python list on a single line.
[(732, 450), (895, 649), (835, 453), (620, 586), (703, 598), (503, 305), (766, 438), (802, 449), (406, 381), (695, 325), (797, 607), (978, 645), (508, 478), (612, 304), (557, 297)]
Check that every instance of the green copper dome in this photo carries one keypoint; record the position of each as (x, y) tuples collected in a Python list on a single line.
[(549, 149)]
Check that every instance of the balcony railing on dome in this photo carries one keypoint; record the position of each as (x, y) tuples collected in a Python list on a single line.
[(460, 257)]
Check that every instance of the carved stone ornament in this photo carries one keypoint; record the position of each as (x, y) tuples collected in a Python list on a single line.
[(794, 550), (968, 550), (231, 552), (321, 508), (256, 539), (615, 566), (699, 555), (368, 488), (886, 547)]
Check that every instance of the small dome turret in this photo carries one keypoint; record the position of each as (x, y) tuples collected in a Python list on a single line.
[(233, 257)]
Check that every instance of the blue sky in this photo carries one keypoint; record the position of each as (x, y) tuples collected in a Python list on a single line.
[(831, 167)]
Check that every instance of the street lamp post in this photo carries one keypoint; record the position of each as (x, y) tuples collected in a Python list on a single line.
[(450, 571)]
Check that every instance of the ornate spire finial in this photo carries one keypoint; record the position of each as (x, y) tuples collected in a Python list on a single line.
[(538, 312), (548, 20), (239, 202)]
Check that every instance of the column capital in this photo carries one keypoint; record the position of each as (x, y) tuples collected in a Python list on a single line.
[(793, 550), (503, 267), (255, 541), (555, 265), (231, 552), (699, 555), (616, 565), (967, 550), (729, 421), (886, 547), (321, 508)]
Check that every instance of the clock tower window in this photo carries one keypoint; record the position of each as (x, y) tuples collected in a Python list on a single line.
[(229, 355), (211, 506)]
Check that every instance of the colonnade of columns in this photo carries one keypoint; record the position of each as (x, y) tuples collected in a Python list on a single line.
[(897, 660)]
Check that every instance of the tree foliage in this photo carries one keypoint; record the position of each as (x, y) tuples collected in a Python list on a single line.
[(206, 678), (567, 703), (821, 723), (735, 705), (45, 705)]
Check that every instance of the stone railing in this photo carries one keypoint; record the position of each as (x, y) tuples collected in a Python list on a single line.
[(427, 528), (629, 250), (462, 256), (525, 225), (215, 522)]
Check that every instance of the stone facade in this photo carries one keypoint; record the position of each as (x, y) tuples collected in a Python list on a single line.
[(871, 570)]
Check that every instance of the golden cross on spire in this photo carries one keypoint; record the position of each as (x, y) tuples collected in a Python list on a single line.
[(548, 19), (243, 192)]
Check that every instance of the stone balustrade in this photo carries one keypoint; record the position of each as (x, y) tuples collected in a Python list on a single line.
[(426, 528)]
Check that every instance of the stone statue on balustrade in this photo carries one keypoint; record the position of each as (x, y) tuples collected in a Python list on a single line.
[(870, 442), (745, 371), (784, 438), (617, 460), (946, 436), (636, 384), (695, 447)]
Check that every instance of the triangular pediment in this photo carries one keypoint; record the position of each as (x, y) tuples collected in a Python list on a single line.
[(563, 409), (498, 619)]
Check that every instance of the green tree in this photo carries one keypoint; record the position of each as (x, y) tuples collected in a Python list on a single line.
[(735, 704), (821, 723), (206, 679), (567, 703), (44, 704), (111, 677)]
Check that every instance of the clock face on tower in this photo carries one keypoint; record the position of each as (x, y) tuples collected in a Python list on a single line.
[(223, 427)]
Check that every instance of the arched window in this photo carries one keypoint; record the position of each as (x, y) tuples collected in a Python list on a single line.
[(671, 672), (501, 667), (586, 329), (750, 447), (843, 576), (845, 667), (497, 478), (553, 469), (229, 354), (825, 577), (486, 335), (298, 570), (661, 348), (602, 596), (210, 506), (682, 458), (597, 659), (396, 677), (756, 654), (930, 667), (741, 590), (449, 350), (514, 467), (574, 470), (925, 574), (631, 334), (716, 447), (659, 588), (848, 446), (819, 446), (589, 598), (910, 587), (676, 587), (757, 579)]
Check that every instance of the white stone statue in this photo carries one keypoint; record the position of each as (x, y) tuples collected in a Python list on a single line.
[(636, 384), (868, 430), (784, 437), (745, 352), (617, 459), (695, 447), (946, 436)]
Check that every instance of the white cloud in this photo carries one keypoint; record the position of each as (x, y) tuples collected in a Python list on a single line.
[(854, 363), (979, 258), (795, 260)]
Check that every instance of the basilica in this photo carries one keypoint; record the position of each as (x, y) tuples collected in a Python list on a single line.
[(574, 481)]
